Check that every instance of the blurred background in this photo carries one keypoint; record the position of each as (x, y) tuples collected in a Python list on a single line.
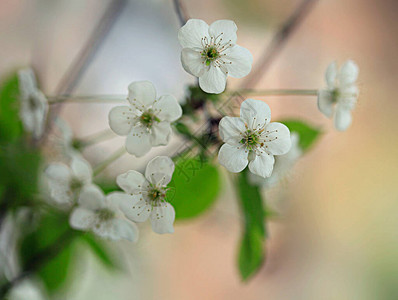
[(337, 233)]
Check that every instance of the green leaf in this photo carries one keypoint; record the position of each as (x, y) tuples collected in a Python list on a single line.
[(194, 187), (252, 247), (308, 134), (100, 250), (10, 123)]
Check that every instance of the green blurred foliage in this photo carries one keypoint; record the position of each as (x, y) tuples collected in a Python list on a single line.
[(101, 251), (194, 187), (308, 134), (252, 247), (196, 99)]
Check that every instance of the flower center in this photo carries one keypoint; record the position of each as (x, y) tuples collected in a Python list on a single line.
[(251, 139), (335, 95), (75, 184), (148, 118), (105, 214), (210, 54), (157, 195)]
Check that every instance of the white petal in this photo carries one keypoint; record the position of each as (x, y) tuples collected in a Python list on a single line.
[(190, 35), (226, 28), (27, 82), (262, 165), (325, 102), (138, 142), (142, 94), (58, 172), (160, 134), (348, 73), (125, 230), (255, 113), (137, 209), (162, 219), (330, 75), (342, 119), (277, 138), (121, 119), (81, 168), (82, 219), (213, 80), (58, 179), (131, 182), (238, 61), (160, 164), (230, 129), (39, 113), (167, 108), (91, 197), (192, 62), (233, 158)]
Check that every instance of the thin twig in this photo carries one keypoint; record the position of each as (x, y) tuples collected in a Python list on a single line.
[(278, 42), (276, 92), (181, 12), (102, 166)]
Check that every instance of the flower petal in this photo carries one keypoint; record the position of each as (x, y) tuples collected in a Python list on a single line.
[(131, 182), (238, 61), (142, 94), (160, 164), (121, 119), (27, 82), (137, 209), (325, 102), (331, 74), (342, 119), (213, 80), (348, 73), (138, 142), (190, 35), (277, 138), (226, 29), (91, 197), (123, 229), (230, 129), (233, 158), (255, 113), (81, 168), (192, 62), (167, 108), (262, 165), (82, 219), (58, 180), (162, 219), (160, 134)]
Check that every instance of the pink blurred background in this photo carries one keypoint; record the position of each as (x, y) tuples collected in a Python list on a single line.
[(337, 234)]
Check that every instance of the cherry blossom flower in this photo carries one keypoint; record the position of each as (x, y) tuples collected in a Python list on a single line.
[(33, 103), (146, 195), (211, 53), (340, 96), (101, 214), (252, 139), (146, 123)]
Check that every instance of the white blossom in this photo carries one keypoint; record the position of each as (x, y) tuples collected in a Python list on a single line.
[(252, 139), (27, 290), (64, 182), (211, 53), (146, 122), (146, 195), (33, 103), (101, 214), (283, 165), (338, 99)]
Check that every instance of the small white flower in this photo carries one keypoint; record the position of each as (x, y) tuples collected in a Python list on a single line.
[(65, 183), (101, 215), (211, 53), (27, 290), (33, 103), (340, 96), (146, 195), (146, 123), (252, 139), (283, 164)]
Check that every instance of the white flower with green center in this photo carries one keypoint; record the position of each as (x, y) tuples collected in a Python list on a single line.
[(211, 53), (283, 165), (65, 183), (101, 214), (252, 139), (146, 195), (341, 94), (33, 103), (146, 123)]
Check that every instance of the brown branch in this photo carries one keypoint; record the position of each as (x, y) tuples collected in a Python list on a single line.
[(181, 11)]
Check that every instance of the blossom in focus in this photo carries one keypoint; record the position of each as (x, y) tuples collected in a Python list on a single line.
[(146, 195), (252, 139), (283, 165), (33, 103), (338, 99), (101, 215), (211, 53), (146, 122)]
